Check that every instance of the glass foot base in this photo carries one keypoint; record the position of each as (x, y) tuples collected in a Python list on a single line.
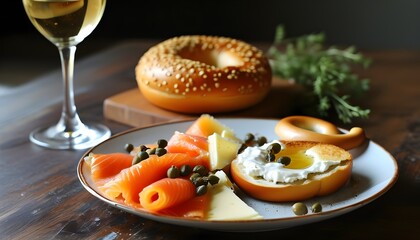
[(88, 136)]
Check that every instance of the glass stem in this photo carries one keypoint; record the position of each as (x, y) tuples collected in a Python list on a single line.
[(69, 122)]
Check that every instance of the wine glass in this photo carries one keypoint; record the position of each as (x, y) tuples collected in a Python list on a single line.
[(66, 23)]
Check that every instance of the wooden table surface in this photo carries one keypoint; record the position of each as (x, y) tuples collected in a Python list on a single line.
[(42, 198)]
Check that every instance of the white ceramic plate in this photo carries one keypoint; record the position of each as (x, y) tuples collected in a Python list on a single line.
[(374, 172)]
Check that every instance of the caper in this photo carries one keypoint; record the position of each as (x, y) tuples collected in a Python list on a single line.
[(136, 160), (140, 157), (199, 181), (143, 155), (185, 170), (275, 147), (203, 171), (143, 148), (213, 179), (173, 172), (271, 157), (194, 176), (160, 151), (128, 147), (285, 160), (201, 190), (249, 137), (316, 207), (242, 148), (151, 151), (299, 208), (261, 141), (162, 143)]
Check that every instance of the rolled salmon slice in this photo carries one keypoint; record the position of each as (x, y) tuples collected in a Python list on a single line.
[(196, 207), (131, 181), (166, 193)]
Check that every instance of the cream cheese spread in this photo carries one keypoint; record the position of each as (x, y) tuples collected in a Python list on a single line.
[(253, 161)]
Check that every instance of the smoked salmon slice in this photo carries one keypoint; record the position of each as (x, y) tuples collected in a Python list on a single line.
[(206, 125), (196, 207), (195, 146), (131, 181), (103, 166), (166, 193)]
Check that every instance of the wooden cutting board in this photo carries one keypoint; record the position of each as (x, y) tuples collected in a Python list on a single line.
[(131, 108)]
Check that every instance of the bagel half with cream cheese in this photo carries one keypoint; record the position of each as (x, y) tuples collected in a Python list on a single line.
[(314, 184)]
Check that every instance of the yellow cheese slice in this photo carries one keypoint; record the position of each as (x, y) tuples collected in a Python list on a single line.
[(226, 205), (222, 151)]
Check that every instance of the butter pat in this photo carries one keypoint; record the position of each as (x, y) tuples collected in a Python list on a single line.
[(225, 205)]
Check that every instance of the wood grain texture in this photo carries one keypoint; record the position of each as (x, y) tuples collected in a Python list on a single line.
[(133, 109), (41, 197)]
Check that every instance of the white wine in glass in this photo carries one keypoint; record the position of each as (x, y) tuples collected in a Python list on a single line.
[(66, 23)]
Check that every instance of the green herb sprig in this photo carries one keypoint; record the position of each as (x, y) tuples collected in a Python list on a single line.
[(325, 71)]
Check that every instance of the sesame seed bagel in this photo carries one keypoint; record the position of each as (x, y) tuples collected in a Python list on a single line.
[(196, 74)]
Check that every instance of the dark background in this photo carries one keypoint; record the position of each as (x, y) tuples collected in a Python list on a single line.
[(366, 24), (372, 24)]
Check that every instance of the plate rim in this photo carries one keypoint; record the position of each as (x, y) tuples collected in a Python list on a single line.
[(226, 223)]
